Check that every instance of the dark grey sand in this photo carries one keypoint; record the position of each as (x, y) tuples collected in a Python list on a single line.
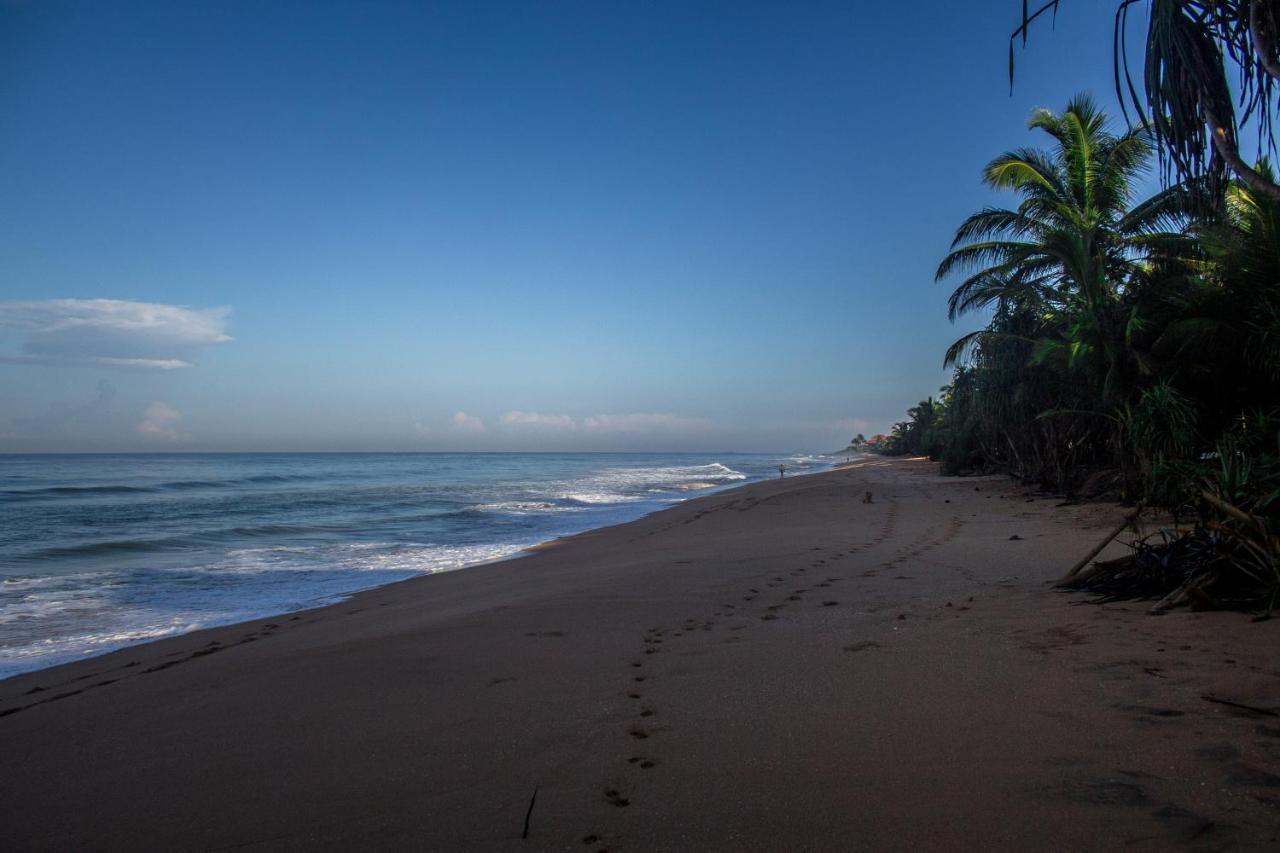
[(778, 667)]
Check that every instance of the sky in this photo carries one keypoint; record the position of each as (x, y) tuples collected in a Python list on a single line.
[(324, 226)]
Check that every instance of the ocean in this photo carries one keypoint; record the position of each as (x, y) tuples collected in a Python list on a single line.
[(98, 552)]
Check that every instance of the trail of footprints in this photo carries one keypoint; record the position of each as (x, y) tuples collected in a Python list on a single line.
[(924, 546), (643, 729)]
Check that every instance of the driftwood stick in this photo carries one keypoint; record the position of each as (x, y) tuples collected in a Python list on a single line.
[(1100, 566), (1178, 596), (529, 813), (1097, 549), (1209, 697)]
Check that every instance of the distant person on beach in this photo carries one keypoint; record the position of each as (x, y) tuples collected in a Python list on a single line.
[(782, 471)]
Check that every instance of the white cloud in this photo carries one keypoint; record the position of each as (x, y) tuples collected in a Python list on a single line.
[(634, 422), (537, 420), (160, 421), (643, 422), (462, 422), (110, 332)]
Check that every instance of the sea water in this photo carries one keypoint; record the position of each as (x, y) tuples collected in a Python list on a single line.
[(101, 551)]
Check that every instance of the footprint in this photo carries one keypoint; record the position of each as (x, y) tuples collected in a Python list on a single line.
[(614, 798)]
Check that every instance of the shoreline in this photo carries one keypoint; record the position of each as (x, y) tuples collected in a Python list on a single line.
[(340, 598), (772, 666)]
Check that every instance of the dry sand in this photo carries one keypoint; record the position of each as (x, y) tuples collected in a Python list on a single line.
[(776, 667)]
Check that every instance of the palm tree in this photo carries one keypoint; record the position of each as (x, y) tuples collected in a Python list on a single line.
[(1071, 259), (1074, 245)]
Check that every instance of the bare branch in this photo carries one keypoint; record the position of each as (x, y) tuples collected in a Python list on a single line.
[(1230, 153), (1263, 44)]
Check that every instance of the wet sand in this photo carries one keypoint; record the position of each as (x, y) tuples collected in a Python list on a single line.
[(775, 667)]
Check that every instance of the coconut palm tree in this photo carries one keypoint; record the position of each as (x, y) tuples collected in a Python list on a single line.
[(1074, 247), (1073, 257)]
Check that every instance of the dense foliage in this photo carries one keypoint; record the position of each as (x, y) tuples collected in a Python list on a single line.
[(1133, 345)]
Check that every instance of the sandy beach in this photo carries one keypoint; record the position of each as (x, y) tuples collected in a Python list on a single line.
[(779, 666)]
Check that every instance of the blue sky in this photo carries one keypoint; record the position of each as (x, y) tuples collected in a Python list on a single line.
[(525, 226)]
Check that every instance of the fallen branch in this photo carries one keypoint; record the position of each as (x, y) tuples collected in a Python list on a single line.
[(1101, 566), (1209, 697), (528, 814), (1182, 593), (1070, 576)]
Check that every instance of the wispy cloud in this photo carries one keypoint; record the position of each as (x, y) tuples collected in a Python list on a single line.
[(459, 423), (160, 421), (643, 422), (633, 422), (464, 423), (110, 332), (537, 420)]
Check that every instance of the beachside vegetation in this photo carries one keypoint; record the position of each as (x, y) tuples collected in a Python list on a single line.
[(1133, 347)]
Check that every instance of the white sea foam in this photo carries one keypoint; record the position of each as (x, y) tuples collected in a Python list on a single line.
[(601, 498), (61, 619), (631, 485), (522, 507), (231, 556), (613, 486), (430, 559)]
